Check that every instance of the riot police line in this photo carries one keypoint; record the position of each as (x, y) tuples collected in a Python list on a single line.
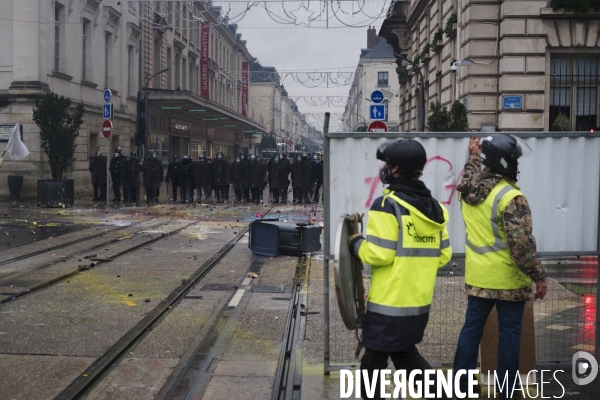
[(209, 180)]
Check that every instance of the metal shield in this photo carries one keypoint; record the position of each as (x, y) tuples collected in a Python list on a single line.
[(344, 279)]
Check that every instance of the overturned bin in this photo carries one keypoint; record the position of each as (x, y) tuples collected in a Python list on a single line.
[(271, 238)]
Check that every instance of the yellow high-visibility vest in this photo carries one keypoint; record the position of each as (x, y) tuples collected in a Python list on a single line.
[(405, 250), (488, 264)]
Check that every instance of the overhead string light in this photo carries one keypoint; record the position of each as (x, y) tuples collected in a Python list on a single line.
[(307, 13)]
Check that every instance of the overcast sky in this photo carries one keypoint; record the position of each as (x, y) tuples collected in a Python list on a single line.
[(291, 47)]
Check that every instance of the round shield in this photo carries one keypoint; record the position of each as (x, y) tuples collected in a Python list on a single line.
[(344, 277)]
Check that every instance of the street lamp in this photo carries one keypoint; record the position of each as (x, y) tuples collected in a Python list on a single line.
[(142, 124), (412, 65)]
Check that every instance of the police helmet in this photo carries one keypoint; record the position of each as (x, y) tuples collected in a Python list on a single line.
[(253, 157), (98, 153), (132, 154), (409, 155), (500, 153), (153, 156), (219, 155), (237, 160), (118, 150), (175, 157)]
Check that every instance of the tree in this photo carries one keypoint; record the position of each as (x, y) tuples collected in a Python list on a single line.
[(459, 122), (439, 119), (59, 130), (268, 142), (561, 123)]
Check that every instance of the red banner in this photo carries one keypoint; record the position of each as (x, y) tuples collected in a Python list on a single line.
[(244, 89), (204, 83)]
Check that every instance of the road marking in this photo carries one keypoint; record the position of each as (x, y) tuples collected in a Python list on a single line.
[(247, 281), (236, 298)]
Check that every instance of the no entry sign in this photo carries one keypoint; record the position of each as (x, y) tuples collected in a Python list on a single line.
[(377, 126), (107, 128)]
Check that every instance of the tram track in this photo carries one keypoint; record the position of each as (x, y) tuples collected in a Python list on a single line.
[(64, 245), (100, 369), (62, 277)]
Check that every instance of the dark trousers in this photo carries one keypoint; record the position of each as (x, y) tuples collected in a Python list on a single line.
[(510, 317), (317, 189), (150, 194), (255, 195), (238, 194), (125, 194), (133, 194), (99, 189), (116, 182), (275, 193), (224, 192), (408, 360), (175, 188)]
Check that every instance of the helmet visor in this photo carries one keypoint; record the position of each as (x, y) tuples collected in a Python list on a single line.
[(522, 148)]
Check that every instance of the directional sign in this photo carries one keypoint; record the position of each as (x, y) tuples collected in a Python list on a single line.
[(377, 126), (514, 102), (107, 128), (107, 111), (107, 95), (377, 112), (377, 96)]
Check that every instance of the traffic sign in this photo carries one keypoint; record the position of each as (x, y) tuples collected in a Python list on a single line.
[(377, 112), (107, 95), (107, 128), (377, 96), (378, 127), (108, 111)]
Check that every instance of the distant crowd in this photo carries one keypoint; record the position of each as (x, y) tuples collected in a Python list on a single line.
[(209, 180)]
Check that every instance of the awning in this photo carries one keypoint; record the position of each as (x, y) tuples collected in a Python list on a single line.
[(193, 105)]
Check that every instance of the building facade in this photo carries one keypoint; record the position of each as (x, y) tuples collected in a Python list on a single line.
[(75, 49), (515, 65), (376, 70), (199, 104)]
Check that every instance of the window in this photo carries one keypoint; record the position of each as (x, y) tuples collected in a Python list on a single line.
[(261, 120), (130, 55), (107, 59), (177, 83), (170, 12), (85, 50), (157, 67), (184, 30), (574, 81), (170, 66), (382, 78), (184, 73), (192, 84), (386, 103), (58, 10)]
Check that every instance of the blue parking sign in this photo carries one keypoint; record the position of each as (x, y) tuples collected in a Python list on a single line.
[(377, 112)]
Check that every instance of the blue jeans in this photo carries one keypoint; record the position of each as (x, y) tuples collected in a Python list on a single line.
[(510, 316)]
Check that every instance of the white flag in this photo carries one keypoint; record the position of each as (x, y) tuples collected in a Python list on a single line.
[(15, 147)]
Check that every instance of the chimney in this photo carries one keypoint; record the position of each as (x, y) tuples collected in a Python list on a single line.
[(372, 38)]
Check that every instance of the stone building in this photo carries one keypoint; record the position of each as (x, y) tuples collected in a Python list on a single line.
[(515, 65), (376, 70), (200, 105), (75, 49), (271, 107)]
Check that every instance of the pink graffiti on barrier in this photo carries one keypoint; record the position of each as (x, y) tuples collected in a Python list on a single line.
[(374, 181)]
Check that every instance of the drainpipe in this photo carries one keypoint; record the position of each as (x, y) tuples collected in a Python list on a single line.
[(458, 57)]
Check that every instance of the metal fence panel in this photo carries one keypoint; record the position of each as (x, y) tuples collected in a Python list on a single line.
[(560, 180)]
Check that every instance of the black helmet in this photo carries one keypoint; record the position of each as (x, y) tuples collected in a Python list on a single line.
[(500, 153), (409, 155)]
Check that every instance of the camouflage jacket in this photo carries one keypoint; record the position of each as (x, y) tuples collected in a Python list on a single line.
[(474, 187)]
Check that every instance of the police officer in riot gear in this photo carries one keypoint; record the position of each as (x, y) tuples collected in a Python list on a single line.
[(236, 179), (317, 177), (203, 178), (221, 170), (173, 173), (186, 178), (403, 269), (116, 173), (151, 175), (98, 170), (129, 178)]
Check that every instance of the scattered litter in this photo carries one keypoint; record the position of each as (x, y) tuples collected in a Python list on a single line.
[(147, 301), (12, 286), (83, 267), (130, 294), (50, 238), (118, 276), (53, 254), (68, 281), (90, 256), (34, 223), (252, 275), (101, 259)]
